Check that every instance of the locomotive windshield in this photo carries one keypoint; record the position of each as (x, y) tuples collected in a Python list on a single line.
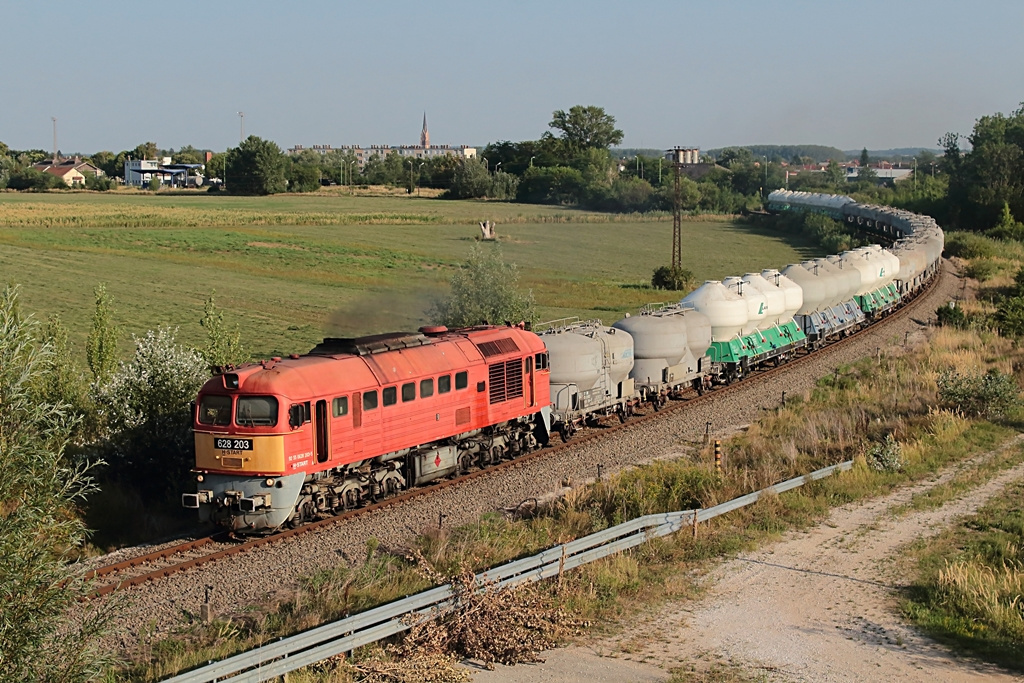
[(256, 411), (215, 410)]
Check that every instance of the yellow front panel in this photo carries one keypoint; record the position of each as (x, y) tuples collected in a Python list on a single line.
[(265, 454)]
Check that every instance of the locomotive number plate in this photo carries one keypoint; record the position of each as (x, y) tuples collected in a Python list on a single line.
[(233, 444)]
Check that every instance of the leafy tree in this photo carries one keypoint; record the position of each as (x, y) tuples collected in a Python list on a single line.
[(256, 167), (586, 127), (865, 160), (215, 166), (148, 416), (101, 344), (222, 347), (98, 182), (503, 186), (1007, 227), (40, 528), (471, 180), (834, 173), (106, 162), (303, 177), (188, 155), (485, 289), (551, 185), (147, 150), (154, 183), (6, 166)]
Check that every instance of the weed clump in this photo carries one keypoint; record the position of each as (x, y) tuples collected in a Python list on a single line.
[(886, 456)]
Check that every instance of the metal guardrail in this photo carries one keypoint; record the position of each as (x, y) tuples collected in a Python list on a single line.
[(288, 654)]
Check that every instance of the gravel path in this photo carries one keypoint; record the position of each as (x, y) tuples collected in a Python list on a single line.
[(273, 570), (817, 606)]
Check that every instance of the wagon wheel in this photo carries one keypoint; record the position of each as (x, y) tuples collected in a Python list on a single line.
[(566, 431)]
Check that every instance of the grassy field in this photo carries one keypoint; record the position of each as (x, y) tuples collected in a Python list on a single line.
[(290, 269)]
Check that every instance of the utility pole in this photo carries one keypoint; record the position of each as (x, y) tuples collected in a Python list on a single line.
[(677, 211), (241, 125), (54, 119)]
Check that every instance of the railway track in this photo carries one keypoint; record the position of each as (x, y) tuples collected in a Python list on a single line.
[(196, 552)]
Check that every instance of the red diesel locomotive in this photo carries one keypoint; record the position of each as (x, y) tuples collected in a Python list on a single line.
[(286, 440)]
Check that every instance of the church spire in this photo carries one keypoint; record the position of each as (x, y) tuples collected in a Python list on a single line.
[(425, 134)]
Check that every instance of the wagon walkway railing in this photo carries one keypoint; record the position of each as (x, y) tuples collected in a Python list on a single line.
[(294, 652)]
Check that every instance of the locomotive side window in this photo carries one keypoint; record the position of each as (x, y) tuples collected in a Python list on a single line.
[(461, 380), (529, 364), (444, 384), (258, 411), (215, 410), (426, 388), (408, 391), (390, 396), (369, 400), (339, 406), (542, 361)]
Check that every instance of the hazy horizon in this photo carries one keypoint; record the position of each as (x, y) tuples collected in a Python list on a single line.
[(871, 74)]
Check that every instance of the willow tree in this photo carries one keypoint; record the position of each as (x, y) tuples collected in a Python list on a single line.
[(40, 529)]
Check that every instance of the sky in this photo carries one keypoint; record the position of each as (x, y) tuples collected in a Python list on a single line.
[(676, 73)]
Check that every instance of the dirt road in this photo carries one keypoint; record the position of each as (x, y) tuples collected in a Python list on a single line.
[(819, 605)]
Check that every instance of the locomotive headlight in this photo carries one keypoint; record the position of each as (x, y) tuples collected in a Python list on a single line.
[(199, 477), (269, 482)]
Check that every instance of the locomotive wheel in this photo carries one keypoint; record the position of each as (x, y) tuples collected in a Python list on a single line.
[(465, 463), (497, 453)]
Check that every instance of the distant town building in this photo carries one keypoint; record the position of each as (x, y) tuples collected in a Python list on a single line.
[(72, 171), (140, 172), (424, 150)]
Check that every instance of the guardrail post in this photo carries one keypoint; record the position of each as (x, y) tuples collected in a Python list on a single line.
[(718, 456), (707, 432), (695, 523), (561, 568), (783, 399)]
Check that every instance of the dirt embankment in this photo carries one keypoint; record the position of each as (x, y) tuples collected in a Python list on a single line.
[(820, 605)]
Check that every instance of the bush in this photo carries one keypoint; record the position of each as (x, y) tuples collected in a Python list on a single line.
[(990, 395), (485, 289), (33, 179), (951, 316), (672, 277), (982, 269), (886, 456), (969, 245), (1010, 316), (146, 403), (98, 182)]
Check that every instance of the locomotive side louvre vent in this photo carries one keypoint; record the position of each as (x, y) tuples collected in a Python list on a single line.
[(506, 380), (498, 347)]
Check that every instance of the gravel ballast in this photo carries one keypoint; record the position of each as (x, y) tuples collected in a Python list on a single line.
[(273, 570)]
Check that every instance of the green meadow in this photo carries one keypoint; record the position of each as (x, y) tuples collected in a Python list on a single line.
[(288, 270)]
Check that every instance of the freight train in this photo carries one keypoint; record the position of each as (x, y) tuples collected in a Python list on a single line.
[(285, 441)]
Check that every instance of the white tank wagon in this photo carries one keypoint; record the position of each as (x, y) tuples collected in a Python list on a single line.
[(590, 365), (669, 346), (757, 303), (793, 292)]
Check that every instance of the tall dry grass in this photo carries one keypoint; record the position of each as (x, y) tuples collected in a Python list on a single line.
[(993, 596)]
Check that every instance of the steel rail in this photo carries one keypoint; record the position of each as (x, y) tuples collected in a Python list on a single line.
[(495, 470)]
